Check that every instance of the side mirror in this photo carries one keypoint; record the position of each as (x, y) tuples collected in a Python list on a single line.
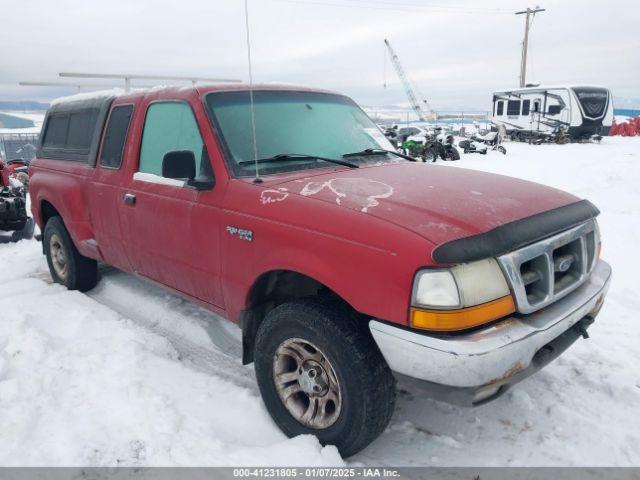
[(179, 164)]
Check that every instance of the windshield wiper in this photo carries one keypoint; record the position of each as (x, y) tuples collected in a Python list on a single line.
[(285, 157), (367, 152)]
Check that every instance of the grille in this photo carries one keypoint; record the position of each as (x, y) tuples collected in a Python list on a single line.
[(541, 273)]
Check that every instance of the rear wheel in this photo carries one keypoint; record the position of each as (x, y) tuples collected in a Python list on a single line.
[(66, 265), (321, 373), (453, 153)]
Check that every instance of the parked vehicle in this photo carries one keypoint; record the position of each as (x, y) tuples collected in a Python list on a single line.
[(392, 135), (537, 112), (411, 133), (346, 266), (428, 146), (481, 142), (445, 148), (424, 149), (19, 169), (15, 224)]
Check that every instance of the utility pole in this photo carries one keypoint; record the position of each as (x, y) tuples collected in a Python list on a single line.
[(525, 43)]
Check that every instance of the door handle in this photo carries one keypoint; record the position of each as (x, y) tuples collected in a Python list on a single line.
[(129, 199)]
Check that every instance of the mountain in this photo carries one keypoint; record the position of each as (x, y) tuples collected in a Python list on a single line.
[(23, 105)]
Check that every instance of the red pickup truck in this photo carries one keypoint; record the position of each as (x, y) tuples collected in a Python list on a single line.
[(347, 266)]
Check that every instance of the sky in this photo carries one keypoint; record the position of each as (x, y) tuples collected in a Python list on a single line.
[(456, 52)]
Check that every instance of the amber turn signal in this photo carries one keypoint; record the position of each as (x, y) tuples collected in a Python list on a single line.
[(449, 320)]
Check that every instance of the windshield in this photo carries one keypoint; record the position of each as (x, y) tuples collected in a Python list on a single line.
[(290, 122), (593, 101)]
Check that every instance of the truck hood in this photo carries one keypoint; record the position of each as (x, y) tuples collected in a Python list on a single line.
[(439, 203)]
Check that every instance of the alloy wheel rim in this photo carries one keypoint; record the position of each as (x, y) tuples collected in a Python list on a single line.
[(307, 383), (58, 256)]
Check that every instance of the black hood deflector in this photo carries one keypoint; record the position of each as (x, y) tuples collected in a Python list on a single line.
[(516, 234)]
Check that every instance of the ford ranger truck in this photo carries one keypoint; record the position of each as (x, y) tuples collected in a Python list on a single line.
[(347, 266)]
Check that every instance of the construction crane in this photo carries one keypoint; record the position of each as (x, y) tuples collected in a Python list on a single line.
[(408, 88)]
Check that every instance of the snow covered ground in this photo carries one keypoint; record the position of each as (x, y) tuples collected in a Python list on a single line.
[(129, 375)]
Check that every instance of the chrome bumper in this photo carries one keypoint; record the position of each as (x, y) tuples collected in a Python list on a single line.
[(473, 367)]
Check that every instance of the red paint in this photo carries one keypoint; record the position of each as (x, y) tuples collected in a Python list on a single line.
[(4, 174), (310, 222)]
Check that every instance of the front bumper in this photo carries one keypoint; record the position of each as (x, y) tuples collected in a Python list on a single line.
[(478, 366)]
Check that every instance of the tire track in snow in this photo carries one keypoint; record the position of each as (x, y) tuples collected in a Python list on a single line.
[(212, 349)]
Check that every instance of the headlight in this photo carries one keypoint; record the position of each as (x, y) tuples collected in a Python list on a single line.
[(460, 297), (436, 288)]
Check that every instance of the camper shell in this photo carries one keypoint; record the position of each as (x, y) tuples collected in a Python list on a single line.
[(582, 111)]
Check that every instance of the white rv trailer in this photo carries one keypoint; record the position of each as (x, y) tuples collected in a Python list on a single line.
[(583, 111)]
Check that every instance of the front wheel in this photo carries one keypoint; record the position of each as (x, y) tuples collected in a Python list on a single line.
[(321, 373), (430, 155), (66, 265)]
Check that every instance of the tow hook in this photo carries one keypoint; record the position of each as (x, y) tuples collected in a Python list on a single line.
[(583, 324)]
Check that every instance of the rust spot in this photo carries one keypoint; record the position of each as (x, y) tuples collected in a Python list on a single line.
[(517, 367), (506, 323)]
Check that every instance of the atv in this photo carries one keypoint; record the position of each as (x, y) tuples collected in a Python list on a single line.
[(13, 209)]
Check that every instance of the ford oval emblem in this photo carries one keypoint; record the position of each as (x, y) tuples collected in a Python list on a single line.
[(565, 264)]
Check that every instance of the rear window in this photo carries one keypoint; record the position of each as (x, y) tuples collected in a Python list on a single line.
[(115, 136), (71, 131)]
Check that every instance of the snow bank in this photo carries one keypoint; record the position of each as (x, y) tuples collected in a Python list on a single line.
[(81, 385)]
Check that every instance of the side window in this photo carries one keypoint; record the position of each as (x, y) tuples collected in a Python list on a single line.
[(71, 131), (81, 127), (536, 106), (115, 136), (169, 126), (554, 109), (526, 107), (56, 133), (500, 108), (513, 107)]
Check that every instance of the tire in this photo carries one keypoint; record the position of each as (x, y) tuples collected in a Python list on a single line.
[(430, 155), (25, 233), (453, 153), (359, 387), (66, 265)]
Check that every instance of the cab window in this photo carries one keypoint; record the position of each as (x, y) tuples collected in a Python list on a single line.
[(115, 136), (168, 127)]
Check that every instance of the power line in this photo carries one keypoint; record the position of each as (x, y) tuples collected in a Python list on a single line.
[(399, 7), (423, 5)]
